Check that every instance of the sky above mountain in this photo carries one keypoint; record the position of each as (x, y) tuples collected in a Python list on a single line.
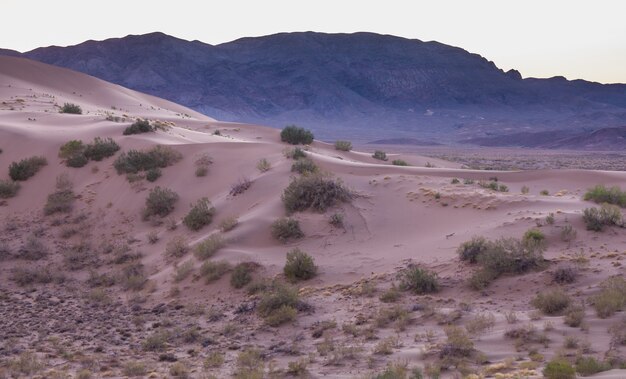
[(575, 39)]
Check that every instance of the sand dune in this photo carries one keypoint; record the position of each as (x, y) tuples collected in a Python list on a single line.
[(399, 215)]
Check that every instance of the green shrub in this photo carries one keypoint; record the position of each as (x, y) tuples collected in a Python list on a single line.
[(133, 161), (299, 266), (587, 366), (559, 368), (139, 126), (61, 200), (601, 194), (212, 271), (71, 148), (295, 135), (494, 186), (200, 215), (509, 255), (343, 145), (304, 166), (101, 148), (596, 219), (470, 250), (153, 174), (26, 168), (611, 298), (242, 274), (314, 191), (574, 315), (551, 302), (76, 161), (160, 202), (295, 153), (399, 162), (209, 246), (228, 224), (380, 155), (482, 278), (286, 229), (71, 108), (8, 189), (419, 280), (534, 238), (278, 304), (458, 343)]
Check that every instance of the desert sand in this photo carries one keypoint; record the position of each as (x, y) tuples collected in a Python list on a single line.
[(398, 216)]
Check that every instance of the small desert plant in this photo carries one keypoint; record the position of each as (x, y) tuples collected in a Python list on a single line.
[(343, 145), (242, 274), (525, 190), (565, 274), (202, 164), (23, 276), (100, 148), (134, 161), (601, 194), (71, 148), (470, 250), (8, 189), (214, 359), (60, 201), (391, 295), (596, 219), (550, 219), (76, 161), (544, 192), (134, 369), (380, 155), (176, 247), (160, 202), (299, 266), (132, 277), (200, 215), (551, 302), (314, 191), (574, 315), (286, 229), (240, 187), (183, 271), (611, 298), (250, 365), (295, 135), (534, 238), (263, 165), (209, 246), (139, 126), (212, 271), (455, 181), (157, 341), (71, 109), (304, 166), (480, 323), (228, 224), (458, 343), (26, 168), (399, 162), (587, 366), (295, 153), (559, 368), (419, 280), (153, 174), (568, 233), (336, 220), (278, 305)]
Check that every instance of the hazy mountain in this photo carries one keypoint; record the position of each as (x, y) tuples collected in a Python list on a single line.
[(362, 86)]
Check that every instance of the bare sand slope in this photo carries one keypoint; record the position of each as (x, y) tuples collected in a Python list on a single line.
[(398, 215)]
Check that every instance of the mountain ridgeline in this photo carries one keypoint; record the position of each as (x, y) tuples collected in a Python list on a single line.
[(361, 86)]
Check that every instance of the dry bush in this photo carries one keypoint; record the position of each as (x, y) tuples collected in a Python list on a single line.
[(212, 271), (343, 145), (565, 274), (228, 224), (470, 250), (304, 166), (134, 161), (568, 233), (209, 246), (551, 302), (62, 199), (611, 298), (278, 304), (242, 274), (183, 271), (250, 365), (132, 277), (200, 215), (263, 165), (33, 249), (607, 215), (286, 229), (71, 108), (176, 247), (314, 192), (202, 164), (559, 368), (8, 189), (160, 202), (419, 281), (240, 187), (299, 266), (574, 315), (24, 276), (480, 323)]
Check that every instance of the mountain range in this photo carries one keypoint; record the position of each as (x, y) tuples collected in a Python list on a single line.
[(361, 86)]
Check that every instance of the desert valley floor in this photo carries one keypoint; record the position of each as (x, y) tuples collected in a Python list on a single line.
[(95, 290)]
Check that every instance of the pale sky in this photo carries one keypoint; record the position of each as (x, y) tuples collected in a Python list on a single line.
[(540, 38)]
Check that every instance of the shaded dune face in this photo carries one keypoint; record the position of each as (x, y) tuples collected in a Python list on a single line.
[(145, 294)]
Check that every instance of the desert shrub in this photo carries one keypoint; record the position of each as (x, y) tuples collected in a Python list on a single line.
[(134, 368), (550, 219), (601, 194), (24, 276), (458, 344), (60, 201), (76, 161), (240, 187), (153, 174), (33, 249), (343, 145), (202, 164), (419, 280), (101, 148), (611, 298), (179, 370), (314, 191), (380, 155), (336, 220), (71, 148), (26, 168), (278, 305), (587, 366), (200, 215), (509, 255), (26, 364), (304, 166), (399, 162), (481, 279), (565, 274), (157, 341), (574, 315), (8, 189), (212, 271), (568, 233), (596, 219), (71, 109), (250, 365), (525, 190), (494, 186), (176, 247), (534, 237), (132, 277), (480, 323), (263, 165), (470, 250), (391, 295), (299, 266), (242, 274), (209, 246), (286, 229), (228, 224), (139, 126), (133, 161), (544, 192), (295, 135), (559, 368), (160, 202), (551, 302)]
